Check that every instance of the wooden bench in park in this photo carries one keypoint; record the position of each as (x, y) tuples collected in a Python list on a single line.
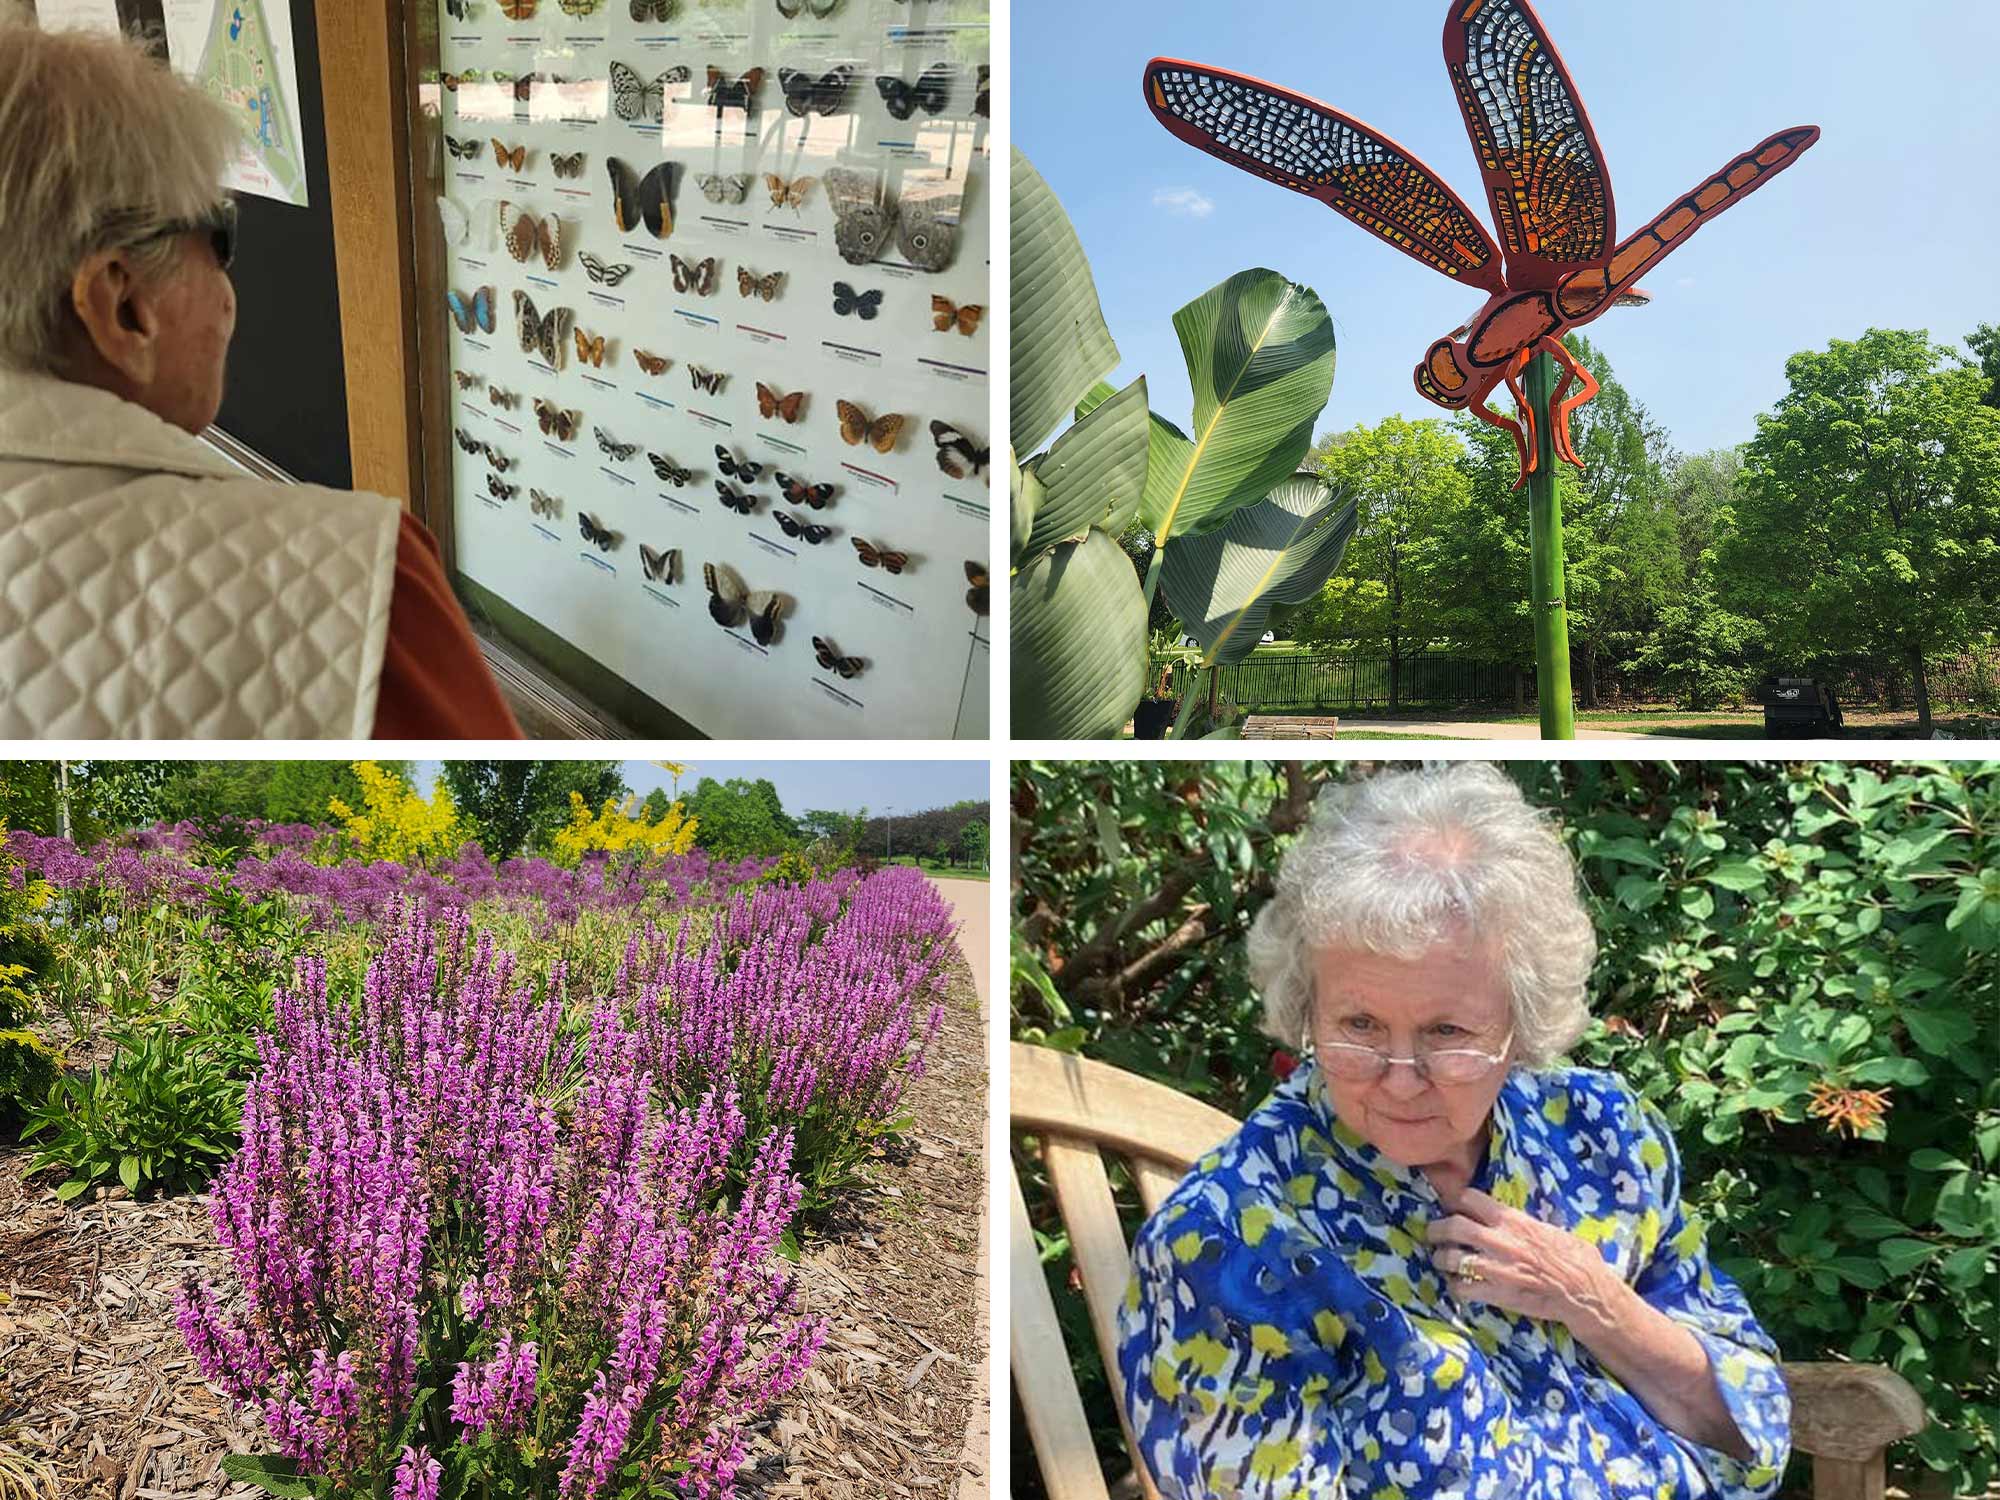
[(1290, 727), (1843, 1415)]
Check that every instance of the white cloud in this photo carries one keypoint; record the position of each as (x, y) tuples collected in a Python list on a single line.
[(1183, 201)]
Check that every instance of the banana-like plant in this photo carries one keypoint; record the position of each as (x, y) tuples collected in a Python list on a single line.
[(1260, 353)]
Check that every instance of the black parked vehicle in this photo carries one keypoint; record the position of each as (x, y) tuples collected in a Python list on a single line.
[(1798, 708)]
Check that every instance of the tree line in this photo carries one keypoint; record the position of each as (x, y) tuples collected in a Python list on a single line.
[(1859, 529)]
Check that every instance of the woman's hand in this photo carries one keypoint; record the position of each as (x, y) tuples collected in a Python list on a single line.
[(1524, 1266)]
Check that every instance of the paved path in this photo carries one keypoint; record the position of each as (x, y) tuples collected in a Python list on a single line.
[(970, 900), (1360, 729)]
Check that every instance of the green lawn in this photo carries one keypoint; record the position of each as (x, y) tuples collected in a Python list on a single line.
[(932, 867)]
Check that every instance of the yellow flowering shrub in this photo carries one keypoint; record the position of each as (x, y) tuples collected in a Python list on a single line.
[(615, 828), (396, 823)]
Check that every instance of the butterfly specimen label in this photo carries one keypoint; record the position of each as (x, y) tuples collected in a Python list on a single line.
[(848, 302), (830, 658), (647, 200), (543, 334), (730, 604), (880, 557), (1557, 263), (957, 454), (697, 276), (930, 93), (471, 312), (750, 284), (857, 427), (946, 314), (770, 404)]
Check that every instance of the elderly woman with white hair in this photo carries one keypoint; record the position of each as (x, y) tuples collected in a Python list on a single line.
[(149, 589), (1436, 1261)]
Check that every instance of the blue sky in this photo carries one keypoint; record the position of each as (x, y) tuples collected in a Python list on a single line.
[(1874, 227), (830, 785)]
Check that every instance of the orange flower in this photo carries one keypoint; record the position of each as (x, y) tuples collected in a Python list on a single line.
[(1856, 1109)]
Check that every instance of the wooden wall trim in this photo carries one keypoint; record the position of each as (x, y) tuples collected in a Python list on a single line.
[(368, 165)]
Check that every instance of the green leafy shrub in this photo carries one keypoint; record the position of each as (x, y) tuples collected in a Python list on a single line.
[(1799, 963), (27, 1061), (162, 1116)]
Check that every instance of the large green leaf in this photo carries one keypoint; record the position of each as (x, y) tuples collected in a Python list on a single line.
[(269, 1472), (1260, 356), (1024, 493), (1281, 550), (1095, 473), (1079, 638), (1058, 344)]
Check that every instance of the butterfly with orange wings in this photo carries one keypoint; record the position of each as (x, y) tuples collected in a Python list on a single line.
[(1558, 263)]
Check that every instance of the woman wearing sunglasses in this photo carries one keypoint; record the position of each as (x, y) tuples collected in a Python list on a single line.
[(149, 589), (1435, 1261)]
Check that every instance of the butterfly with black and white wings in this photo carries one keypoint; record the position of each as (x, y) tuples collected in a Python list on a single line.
[(957, 454), (633, 98), (669, 471), (730, 604), (662, 566)]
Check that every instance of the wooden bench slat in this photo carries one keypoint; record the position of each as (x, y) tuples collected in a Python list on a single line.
[(1042, 1377)]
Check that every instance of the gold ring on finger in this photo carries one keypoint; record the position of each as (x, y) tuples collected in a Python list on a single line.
[(1468, 1267)]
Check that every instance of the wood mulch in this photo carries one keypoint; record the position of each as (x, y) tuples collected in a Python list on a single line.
[(99, 1399)]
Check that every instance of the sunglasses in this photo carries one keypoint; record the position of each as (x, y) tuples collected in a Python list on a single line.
[(219, 224)]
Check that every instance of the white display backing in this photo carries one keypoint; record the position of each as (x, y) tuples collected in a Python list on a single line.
[(925, 650)]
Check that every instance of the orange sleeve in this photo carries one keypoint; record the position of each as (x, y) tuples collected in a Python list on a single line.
[(435, 684)]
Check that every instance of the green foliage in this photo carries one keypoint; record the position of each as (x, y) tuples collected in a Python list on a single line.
[(27, 1061), (1700, 652), (740, 819), (1870, 520), (162, 1115), (1799, 963), (517, 805)]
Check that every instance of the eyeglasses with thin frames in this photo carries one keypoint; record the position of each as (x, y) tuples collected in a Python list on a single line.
[(219, 224), (1353, 1063)]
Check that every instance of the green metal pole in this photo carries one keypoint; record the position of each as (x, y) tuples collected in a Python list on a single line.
[(1545, 551)]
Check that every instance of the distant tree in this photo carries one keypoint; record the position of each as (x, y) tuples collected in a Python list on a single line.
[(299, 790), (841, 831), (1985, 342), (1700, 652), (1703, 489), (516, 805), (1870, 520), (657, 804), (740, 819)]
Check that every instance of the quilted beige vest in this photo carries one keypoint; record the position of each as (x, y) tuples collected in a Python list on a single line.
[(151, 590)]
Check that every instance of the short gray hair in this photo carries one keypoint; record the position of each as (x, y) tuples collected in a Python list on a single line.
[(1397, 862), (100, 145)]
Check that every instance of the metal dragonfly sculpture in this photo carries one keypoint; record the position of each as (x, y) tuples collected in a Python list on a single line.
[(1558, 263)]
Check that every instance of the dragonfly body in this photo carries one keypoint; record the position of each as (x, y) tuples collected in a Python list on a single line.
[(1555, 265)]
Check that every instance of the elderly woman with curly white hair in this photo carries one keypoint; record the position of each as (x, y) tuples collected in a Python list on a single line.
[(1436, 1261), (148, 588)]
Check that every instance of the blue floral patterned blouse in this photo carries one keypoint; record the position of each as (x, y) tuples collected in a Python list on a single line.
[(1286, 1334)]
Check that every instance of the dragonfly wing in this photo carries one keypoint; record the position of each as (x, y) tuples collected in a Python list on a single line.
[(1546, 178), (1314, 149)]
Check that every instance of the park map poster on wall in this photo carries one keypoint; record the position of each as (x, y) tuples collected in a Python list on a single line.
[(241, 52)]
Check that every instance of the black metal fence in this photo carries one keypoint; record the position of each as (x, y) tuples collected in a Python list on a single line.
[(1302, 680)]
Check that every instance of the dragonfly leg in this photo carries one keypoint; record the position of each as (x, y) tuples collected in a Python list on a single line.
[(1492, 418), (1563, 408), (1516, 368)]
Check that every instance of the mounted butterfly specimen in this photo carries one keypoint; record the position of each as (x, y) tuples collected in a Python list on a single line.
[(725, 92), (590, 350), (706, 380), (946, 315), (830, 658), (957, 454), (798, 492), (697, 276), (732, 187), (500, 461), (982, 103), (736, 468), (543, 334), (501, 491), (979, 597), (471, 312), (519, 10), (735, 499), (806, 94), (468, 380), (453, 223), (669, 471), (877, 557), (750, 284), (651, 363), (847, 301), (791, 10), (619, 452), (544, 505), (580, 7), (460, 10), (865, 218), (559, 424), (599, 272), (497, 397), (654, 10), (596, 532), (930, 93), (730, 604), (857, 427), (463, 150), (567, 164), (787, 408), (525, 235), (514, 158), (467, 442), (788, 193), (1558, 263), (647, 200), (661, 566), (632, 98), (809, 532)]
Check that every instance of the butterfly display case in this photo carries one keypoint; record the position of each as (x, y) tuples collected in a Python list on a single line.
[(710, 285)]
